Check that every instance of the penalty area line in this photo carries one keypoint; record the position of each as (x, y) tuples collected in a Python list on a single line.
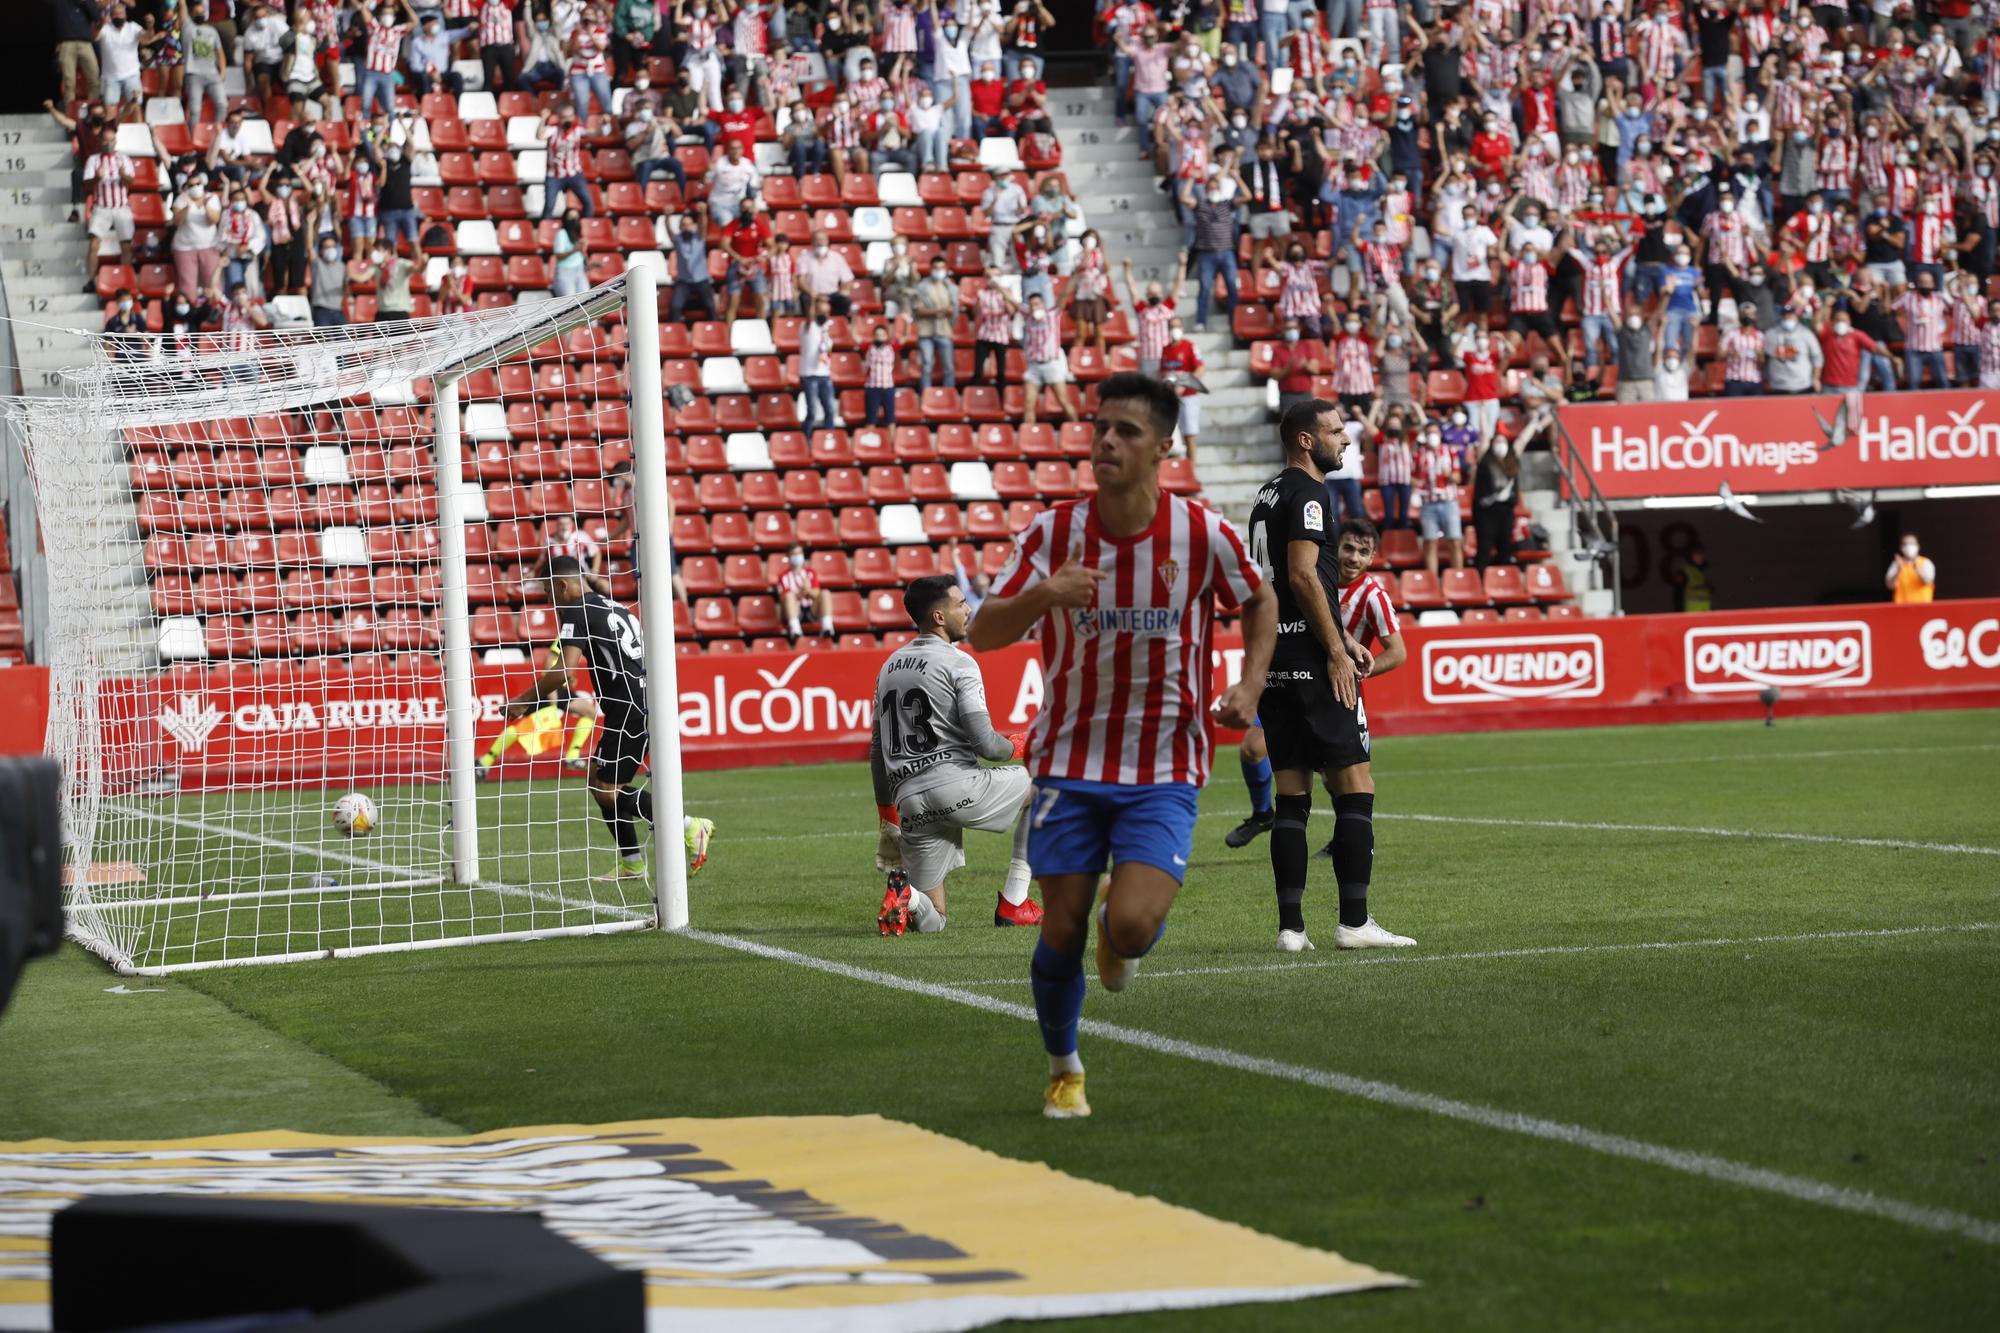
[(367, 863), (1800, 1189), (1403, 957)]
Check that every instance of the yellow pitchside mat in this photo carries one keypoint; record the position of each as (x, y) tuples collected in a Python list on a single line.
[(790, 1223)]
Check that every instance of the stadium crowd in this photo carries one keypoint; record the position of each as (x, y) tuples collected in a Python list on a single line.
[(305, 185), (1664, 199)]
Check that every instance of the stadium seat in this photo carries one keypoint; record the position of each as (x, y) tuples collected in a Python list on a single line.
[(1545, 584), (1422, 591), (1504, 586), (1563, 611), (714, 616), (885, 610), (1479, 615), (1523, 613), (1463, 587)]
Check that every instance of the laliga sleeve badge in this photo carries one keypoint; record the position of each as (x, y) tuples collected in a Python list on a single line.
[(1313, 516)]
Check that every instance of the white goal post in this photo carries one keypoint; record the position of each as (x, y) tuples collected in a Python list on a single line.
[(265, 592)]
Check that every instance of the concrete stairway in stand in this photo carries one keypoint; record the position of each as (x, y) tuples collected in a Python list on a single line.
[(1122, 199), (42, 253)]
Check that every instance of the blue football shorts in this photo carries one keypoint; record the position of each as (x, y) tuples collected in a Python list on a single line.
[(1077, 827)]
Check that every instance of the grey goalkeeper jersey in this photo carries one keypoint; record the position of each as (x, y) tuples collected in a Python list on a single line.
[(930, 720)]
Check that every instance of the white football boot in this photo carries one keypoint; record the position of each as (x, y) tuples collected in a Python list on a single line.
[(1293, 941), (1368, 935)]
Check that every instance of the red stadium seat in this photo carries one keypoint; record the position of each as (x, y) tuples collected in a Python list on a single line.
[(1422, 591), (1463, 587), (1504, 586), (1545, 584)]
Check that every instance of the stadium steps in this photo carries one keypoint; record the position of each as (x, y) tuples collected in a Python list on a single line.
[(41, 256), (1122, 199), (1568, 548)]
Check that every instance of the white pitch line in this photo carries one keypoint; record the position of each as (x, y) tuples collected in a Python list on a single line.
[(1799, 1188), (1689, 830), (1591, 826), (348, 858), (1400, 956), (1398, 771)]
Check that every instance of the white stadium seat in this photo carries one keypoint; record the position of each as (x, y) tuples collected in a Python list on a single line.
[(722, 374), (747, 451), (972, 481), (902, 525), (752, 337)]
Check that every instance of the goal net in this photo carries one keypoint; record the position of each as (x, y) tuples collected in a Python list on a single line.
[(288, 566)]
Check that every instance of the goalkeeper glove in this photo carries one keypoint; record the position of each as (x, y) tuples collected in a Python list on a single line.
[(1019, 740), (888, 839)]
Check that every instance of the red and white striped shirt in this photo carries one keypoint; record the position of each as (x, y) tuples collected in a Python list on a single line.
[(994, 321), (1353, 365), (1528, 287), (238, 226), (238, 329), (798, 581), (1041, 338), (109, 170), (1610, 38), (1902, 183), (1394, 463), (565, 150), (1129, 676), (1815, 232), (899, 29), (285, 217), (1310, 57), (1660, 45), (1965, 313), (1834, 169), (1728, 238), (751, 31), (588, 55), (843, 130), (1602, 294), (1573, 182), (1788, 103), (701, 33), (1153, 321), (1383, 262), (385, 43), (1437, 474), (1985, 196), (1923, 320), (1929, 234), (879, 361), (496, 23), (1989, 356), (1366, 613), (1743, 354), (361, 190), (1873, 161)]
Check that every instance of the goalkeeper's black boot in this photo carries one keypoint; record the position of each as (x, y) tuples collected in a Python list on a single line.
[(1246, 832)]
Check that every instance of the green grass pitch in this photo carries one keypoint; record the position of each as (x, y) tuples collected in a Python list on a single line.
[(1777, 949)]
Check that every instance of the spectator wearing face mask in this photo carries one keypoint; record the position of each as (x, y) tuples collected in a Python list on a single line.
[(1495, 490), (1439, 473), (197, 237), (1843, 350), (1180, 364), (935, 304), (327, 282), (801, 597), (823, 272), (1924, 316), (1793, 358), (1912, 578), (1294, 364), (1153, 312), (391, 275), (125, 319), (816, 368), (1684, 288), (694, 287)]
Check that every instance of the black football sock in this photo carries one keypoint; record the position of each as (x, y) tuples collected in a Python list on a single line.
[(1288, 859), (1354, 853), (621, 829), (623, 826)]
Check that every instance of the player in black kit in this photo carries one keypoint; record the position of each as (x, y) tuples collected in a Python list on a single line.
[(1312, 714), (604, 635)]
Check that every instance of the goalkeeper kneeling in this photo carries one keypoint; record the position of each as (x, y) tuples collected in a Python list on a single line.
[(931, 730)]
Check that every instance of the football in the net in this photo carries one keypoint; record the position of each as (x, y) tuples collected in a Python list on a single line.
[(354, 814)]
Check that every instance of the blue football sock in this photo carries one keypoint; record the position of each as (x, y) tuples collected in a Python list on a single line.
[(1257, 777), (1057, 979)]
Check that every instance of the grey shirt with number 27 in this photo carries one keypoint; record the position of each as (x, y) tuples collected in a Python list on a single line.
[(930, 720)]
